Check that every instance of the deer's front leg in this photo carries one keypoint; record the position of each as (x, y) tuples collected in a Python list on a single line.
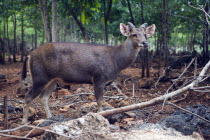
[(99, 90)]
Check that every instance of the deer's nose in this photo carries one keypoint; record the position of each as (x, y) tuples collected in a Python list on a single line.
[(146, 44)]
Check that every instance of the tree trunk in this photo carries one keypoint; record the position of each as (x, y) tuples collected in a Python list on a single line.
[(43, 35), (8, 43), (78, 22), (165, 32), (192, 40), (206, 42), (130, 11), (144, 56), (147, 63), (45, 19), (32, 41), (2, 59), (83, 30), (3, 46), (54, 21), (142, 63), (159, 53), (106, 32), (35, 36), (22, 38), (14, 35), (142, 12), (64, 29), (106, 18)]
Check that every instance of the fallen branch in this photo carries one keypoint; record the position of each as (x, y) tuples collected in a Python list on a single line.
[(13, 137), (37, 132), (80, 94), (14, 100), (158, 99), (188, 112)]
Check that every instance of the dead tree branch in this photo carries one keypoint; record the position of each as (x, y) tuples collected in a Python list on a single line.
[(188, 112), (201, 9), (159, 99), (13, 137)]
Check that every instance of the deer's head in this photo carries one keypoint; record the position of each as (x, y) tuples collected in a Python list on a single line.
[(137, 35)]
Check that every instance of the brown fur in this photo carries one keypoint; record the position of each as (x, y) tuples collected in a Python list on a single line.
[(79, 63)]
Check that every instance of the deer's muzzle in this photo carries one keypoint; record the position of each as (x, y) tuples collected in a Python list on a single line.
[(145, 44)]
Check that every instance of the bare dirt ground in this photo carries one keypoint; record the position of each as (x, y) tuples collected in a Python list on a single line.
[(131, 85)]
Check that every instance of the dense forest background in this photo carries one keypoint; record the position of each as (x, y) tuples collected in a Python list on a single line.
[(181, 25)]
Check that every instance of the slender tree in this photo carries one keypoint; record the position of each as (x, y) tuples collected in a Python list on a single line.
[(54, 21), (130, 11), (144, 53), (45, 19), (106, 17), (22, 37), (165, 32), (206, 33), (72, 8), (14, 51), (142, 12)]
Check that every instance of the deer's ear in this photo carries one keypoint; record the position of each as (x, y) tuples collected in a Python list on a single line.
[(124, 29), (150, 30)]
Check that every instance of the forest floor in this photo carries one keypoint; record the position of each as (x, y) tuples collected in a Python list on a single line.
[(134, 90)]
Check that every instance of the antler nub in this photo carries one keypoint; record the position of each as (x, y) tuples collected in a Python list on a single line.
[(144, 25), (130, 25)]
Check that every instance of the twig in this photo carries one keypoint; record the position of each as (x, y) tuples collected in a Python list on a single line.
[(15, 100), (79, 94), (204, 87), (179, 100), (181, 16), (72, 103), (177, 80), (14, 129), (201, 9), (115, 86), (133, 90), (180, 75), (206, 77), (14, 136), (29, 126), (33, 129), (5, 112), (196, 68), (200, 132), (188, 112), (124, 83), (88, 89), (157, 81), (159, 78), (36, 127), (202, 90)]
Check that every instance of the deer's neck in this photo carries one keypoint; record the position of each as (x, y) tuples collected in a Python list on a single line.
[(126, 54)]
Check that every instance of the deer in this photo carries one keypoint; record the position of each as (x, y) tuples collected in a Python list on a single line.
[(81, 63)]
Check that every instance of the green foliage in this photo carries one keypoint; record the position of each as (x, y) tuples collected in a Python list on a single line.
[(183, 20)]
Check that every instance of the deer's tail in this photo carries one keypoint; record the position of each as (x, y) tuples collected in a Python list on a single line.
[(24, 69)]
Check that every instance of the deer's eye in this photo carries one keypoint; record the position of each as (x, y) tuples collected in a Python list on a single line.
[(134, 35)]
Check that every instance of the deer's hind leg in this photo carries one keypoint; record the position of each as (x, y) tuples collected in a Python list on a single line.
[(49, 88), (30, 95)]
